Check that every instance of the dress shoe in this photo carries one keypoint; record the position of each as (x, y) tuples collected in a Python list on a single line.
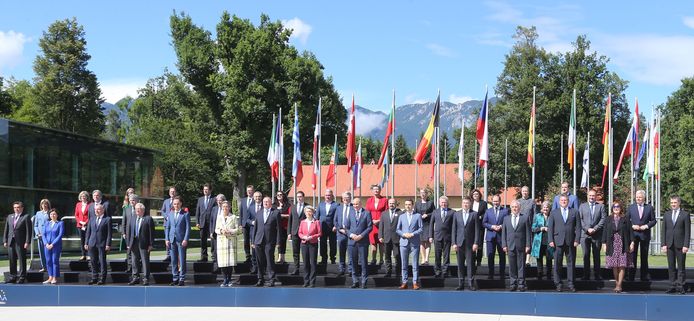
[(181, 283), (459, 288), (174, 283), (682, 291), (598, 278), (558, 288), (403, 286), (490, 277), (42, 270), (572, 289), (671, 290), (100, 282), (415, 286), (332, 261), (295, 272), (259, 283), (313, 285), (145, 283), (363, 285), (521, 289), (513, 289), (134, 281), (305, 285), (341, 273), (472, 287), (271, 284), (92, 282), (585, 278), (21, 281), (437, 275), (646, 279), (354, 285), (11, 281)]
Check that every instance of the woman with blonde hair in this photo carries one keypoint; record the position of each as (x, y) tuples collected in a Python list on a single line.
[(81, 219), (226, 227), (40, 219)]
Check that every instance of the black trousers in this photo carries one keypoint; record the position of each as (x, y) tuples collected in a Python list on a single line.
[(310, 253), (140, 262), (226, 271), (392, 249), (328, 237), (559, 252), (265, 254), (480, 252), (98, 263), (640, 248), (247, 242), (442, 256), (516, 264), (675, 266), (465, 258), (358, 253), (282, 240), (543, 254), (16, 252), (204, 235), (493, 247), (591, 246), (83, 234), (296, 251)]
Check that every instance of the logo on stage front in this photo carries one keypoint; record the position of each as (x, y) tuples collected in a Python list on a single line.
[(3, 297)]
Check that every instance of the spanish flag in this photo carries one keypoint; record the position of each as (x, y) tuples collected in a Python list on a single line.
[(606, 138), (429, 133), (531, 134)]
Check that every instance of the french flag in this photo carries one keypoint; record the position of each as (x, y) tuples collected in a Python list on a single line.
[(483, 133)]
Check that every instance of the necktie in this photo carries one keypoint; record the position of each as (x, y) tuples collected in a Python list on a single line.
[(409, 218), (137, 227), (564, 215), (592, 216), (257, 208), (515, 221), (674, 216), (443, 214), (207, 198), (98, 221), (267, 213), (16, 218), (344, 215), (391, 216), (465, 216), (176, 217), (358, 215), (640, 211), (299, 211)]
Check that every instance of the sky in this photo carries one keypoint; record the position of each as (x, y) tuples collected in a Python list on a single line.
[(371, 48)]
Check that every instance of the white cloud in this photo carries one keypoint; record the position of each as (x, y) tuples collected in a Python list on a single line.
[(440, 50), (412, 99), (115, 90), (300, 29), (11, 48), (688, 21), (459, 99), (367, 123), (652, 59)]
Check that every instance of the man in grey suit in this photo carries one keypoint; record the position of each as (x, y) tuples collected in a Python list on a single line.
[(440, 236), (675, 242), (244, 213), (267, 227), (409, 228), (98, 198), (203, 211), (387, 234), (16, 239), (564, 231), (98, 243), (592, 219), (165, 210), (515, 241), (128, 217), (140, 241), (466, 227), (295, 217)]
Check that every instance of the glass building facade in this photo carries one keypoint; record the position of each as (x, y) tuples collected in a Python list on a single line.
[(37, 163)]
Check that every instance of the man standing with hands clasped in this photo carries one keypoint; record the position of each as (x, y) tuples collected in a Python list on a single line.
[(358, 228), (515, 241), (410, 227), (16, 239), (592, 220), (564, 228), (466, 227)]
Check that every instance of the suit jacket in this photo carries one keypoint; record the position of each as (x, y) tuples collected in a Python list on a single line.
[(527, 206), (99, 235), (440, 228), (166, 207), (177, 230), (647, 219), (295, 218), (145, 238), (466, 232), (597, 223), (128, 216), (573, 202), (244, 211), (53, 235), (107, 209), (519, 238), (326, 217), (214, 213), (489, 220), (623, 227), (203, 213), (313, 231), (676, 235), (339, 222), (361, 226), (266, 231), (252, 218), (387, 229), (21, 232), (415, 226), (563, 233)]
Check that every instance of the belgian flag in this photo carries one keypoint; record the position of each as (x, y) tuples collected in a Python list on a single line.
[(429, 133)]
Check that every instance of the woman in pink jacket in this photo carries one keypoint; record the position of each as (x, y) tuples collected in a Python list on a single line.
[(309, 232)]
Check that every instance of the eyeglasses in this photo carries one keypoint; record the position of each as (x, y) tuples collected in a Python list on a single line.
[(616, 206)]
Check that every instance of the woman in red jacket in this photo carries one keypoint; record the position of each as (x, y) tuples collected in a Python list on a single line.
[(82, 218), (309, 232), (376, 205)]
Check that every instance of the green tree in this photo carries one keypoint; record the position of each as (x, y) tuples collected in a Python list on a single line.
[(403, 154), (677, 130), (7, 102), (114, 128), (23, 101), (67, 93)]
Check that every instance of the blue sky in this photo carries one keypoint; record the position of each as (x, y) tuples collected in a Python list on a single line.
[(373, 47)]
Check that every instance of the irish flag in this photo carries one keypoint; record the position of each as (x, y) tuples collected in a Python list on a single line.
[(572, 132), (531, 133), (273, 153)]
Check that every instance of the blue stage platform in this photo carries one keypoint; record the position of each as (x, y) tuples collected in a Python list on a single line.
[(577, 305)]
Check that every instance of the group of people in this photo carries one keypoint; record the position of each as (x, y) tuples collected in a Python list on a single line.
[(403, 237)]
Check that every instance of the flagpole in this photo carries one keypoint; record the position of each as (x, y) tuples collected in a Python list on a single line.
[(462, 159), (573, 161), (437, 192), (474, 172), (274, 187), (486, 130), (392, 150), (611, 161), (588, 171), (445, 154), (561, 167), (633, 151), (336, 171), (533, 149), (320, 164), (416, 174), (505, 169), (281, 160), (360, 165)]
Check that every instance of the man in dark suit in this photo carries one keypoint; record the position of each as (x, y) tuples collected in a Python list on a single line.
[(564, 231), (339, 223), (493, 221), (358, 228), (387, 234), (253, 212), (140, 241), (203, 212), (515, 241), (128, 217), (244, 214), (16, 239), (326, 214), (295, 218), (267, 227), (573, 200), (165, 210), (675, 242), (98, 243), (642, 217), (98, 198), (592, 216), (466, 227), (177, 233), (440, 236)]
